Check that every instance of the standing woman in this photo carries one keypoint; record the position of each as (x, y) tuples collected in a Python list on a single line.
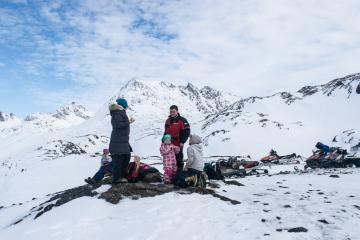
[(120, 148)]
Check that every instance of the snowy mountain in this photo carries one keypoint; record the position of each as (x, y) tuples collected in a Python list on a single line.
[(288, 122), (49, 152), (64, 117)]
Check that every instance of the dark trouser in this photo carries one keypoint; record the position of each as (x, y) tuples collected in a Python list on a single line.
[(120, 166), (180, 177), (180, 160), (99, 175)]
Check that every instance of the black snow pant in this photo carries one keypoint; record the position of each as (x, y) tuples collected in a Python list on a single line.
[(180, 160), (120, 166)]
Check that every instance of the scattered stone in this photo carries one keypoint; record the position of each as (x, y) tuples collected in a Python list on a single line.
[(320, 193), (357, 207), (351, 196), (279, 230), (270, 189), (265, 210), (212, 184), (234, 182), (287, 206), (266, 234), (334, 176), (278, 218), (258, 194), (283, 187), (287, 193), (323, 221), (297, 230), (265, 204), (256, 201), (33, 199), (263, 220), (224, 190)]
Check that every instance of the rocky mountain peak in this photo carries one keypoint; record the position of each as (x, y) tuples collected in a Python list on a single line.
[(5, 117)]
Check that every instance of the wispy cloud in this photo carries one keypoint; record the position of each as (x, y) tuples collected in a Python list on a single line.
[(247, 47)]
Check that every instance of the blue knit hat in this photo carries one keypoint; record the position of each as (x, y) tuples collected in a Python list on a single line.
[(122, 102)]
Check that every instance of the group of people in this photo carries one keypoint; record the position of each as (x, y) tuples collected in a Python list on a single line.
[(116, 160)]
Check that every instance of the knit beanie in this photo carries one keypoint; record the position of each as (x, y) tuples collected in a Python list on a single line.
[(122, 102), (166, 137)]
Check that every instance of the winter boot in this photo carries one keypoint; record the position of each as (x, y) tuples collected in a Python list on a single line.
[(192, 181), (90, 181)]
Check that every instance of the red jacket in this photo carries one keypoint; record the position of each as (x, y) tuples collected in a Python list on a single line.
[(178, 128)]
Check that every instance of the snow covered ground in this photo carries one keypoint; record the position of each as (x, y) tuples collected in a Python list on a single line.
[(327, 207)]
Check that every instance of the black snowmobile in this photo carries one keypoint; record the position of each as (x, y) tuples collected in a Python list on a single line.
[(234, 167)]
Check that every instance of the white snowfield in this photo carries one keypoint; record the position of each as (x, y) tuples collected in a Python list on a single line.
[(47, 153)]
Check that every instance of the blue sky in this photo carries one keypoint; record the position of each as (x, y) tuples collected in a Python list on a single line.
[(56, 52)]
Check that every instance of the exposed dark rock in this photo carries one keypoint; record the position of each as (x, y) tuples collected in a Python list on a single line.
[(323, 221), (357, 207), (65, 197), (234, 182), (116, 193), (334, 176), (287, 206), (297, 230), (213, 185)]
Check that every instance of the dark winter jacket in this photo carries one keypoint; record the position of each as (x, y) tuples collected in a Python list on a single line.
[(323, 147), (358, 89), (119, 140), (178, 128)]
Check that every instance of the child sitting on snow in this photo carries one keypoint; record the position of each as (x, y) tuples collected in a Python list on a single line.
[(106, 168), (168, 151)]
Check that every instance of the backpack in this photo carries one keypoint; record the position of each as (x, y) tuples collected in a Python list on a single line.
[(213, 171)]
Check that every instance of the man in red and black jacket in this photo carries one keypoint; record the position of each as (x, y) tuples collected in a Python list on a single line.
[(179, 129)]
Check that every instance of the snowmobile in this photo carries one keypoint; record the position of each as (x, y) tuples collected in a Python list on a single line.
[(241, 167), (274, 158), (334, 158)]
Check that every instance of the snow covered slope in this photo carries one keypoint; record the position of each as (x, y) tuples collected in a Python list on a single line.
[(288, 122), (47, 153)]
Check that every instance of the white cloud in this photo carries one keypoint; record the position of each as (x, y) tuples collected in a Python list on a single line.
[(247, 47)]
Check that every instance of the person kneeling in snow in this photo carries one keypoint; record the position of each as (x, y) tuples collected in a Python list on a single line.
[(105, 169), (193, 174), (169, 151)]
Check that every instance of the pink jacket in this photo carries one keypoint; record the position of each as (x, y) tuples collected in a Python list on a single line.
[(168, 154)]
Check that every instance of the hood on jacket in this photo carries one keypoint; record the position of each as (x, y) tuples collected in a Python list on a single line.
[(114, 107), (195, 139)]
